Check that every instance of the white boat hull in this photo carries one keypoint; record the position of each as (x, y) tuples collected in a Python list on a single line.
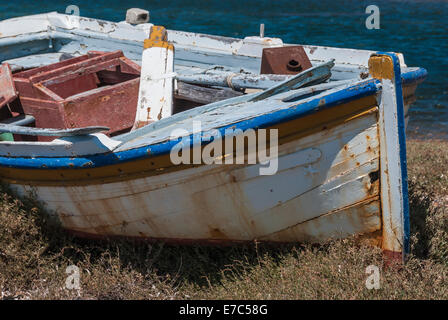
[(329, 195)]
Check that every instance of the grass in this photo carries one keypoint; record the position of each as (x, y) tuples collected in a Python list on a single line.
[(35, 252)]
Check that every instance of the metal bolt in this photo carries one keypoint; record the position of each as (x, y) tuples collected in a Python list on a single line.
[(294, 65)]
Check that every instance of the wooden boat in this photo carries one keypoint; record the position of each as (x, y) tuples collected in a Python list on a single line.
[(341, 143)]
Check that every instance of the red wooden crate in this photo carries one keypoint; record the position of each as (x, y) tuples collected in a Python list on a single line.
[(99, 88)]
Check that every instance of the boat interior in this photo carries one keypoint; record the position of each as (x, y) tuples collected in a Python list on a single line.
[(68, 72)]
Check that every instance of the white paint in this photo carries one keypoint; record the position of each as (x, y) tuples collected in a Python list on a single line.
[(211, 116), (34, 61), (155, 97), (64, 147), (298, 187), (391, 190), (87, 26), (253, 46), (24, 25), (360, 219), (299, 158), (187, 204)]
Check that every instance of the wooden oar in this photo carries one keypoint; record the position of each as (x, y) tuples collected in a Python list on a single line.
[(313, 75), (238, 81)]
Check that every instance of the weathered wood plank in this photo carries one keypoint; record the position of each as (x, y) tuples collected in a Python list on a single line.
[(201, 94), (236, 80), (313, 75), (50, 132), (155, 95)]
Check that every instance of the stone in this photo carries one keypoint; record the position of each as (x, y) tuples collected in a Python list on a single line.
[(137, 16)]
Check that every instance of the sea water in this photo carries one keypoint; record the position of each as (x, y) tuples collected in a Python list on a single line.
[(416, 28)]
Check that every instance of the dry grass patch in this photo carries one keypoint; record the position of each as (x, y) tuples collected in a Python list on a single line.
[(34, 254)]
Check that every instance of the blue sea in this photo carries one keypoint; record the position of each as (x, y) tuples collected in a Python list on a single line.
[(417, 28)]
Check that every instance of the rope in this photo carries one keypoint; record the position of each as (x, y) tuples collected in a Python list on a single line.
[(229, 81)]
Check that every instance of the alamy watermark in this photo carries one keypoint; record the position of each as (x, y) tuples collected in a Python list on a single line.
[(227, 148), (74, 13), (373, 280), (73, 10), (72, 282), (373, 20)]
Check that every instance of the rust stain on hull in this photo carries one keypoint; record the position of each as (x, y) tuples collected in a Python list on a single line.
[(215, 204)]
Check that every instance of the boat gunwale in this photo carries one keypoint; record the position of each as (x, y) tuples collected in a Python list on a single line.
[(413, 76), (296, 111), (409, 78)]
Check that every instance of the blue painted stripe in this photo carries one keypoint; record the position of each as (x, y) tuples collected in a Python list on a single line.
[(415, 76), (402, 145), (366, 88)]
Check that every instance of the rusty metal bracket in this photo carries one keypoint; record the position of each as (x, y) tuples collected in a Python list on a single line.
[(284, 60)]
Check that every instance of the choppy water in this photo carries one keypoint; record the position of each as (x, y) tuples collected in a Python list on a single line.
[(418, 29)]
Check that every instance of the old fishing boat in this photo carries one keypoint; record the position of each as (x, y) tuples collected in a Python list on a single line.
[(89, 109)]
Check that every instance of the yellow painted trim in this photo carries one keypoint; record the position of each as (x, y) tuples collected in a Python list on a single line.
[(288, 131), (325, 119), (381, 66), (158, 38)]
